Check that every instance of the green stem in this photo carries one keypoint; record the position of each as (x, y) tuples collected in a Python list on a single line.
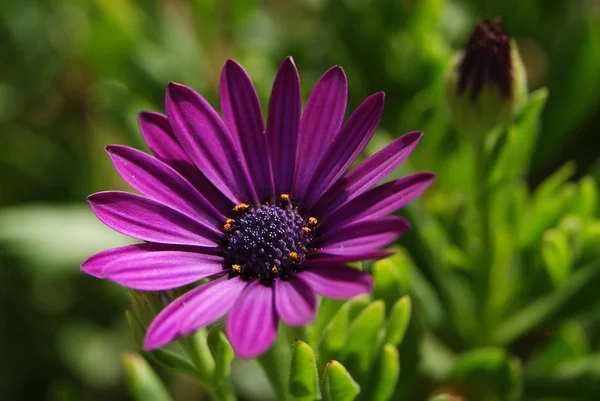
[(198, 351), (224, 392), (487, 247), (276, 364), (197, 348)]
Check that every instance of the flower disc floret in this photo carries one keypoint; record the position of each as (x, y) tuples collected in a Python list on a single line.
[(265, 242)]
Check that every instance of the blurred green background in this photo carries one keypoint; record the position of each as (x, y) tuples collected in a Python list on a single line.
[(74, 74)]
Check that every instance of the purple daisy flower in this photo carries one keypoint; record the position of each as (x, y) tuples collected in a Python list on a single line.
[(267, 214)]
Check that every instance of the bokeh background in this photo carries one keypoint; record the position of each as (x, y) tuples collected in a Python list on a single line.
[(74, 74)]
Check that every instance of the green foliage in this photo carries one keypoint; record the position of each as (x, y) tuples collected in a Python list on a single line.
[(504, 309), (337, 384), (304, 377), (222, 353), (144, 384)]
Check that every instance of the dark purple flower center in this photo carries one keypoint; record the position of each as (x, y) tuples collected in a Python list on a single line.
[(265, 242)]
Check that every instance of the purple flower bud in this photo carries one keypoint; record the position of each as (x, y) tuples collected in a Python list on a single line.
[(487, 59)]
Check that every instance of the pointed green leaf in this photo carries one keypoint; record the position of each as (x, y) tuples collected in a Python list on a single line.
[(327, 309), (161, 356), (304, 377), (515, 156), (337, 384), (146, 305), (172, 361), (222, 353), (398, 321), (585, 203), (590, 238), (334, 335), (364, 338), (357, 305), (391, 277), (557, 257), (142, 381), (575, 379), (386, 374), (579, 294), (136, 328)]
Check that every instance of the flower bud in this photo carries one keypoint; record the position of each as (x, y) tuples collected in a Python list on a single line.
[(487, 81)]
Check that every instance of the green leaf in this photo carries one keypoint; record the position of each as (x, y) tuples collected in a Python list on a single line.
[(590, 238), (364, 338), (391, 277), (146, 305), (578, 295), (222, 353), (142, 381), (550, 200), (574, 379), (357, 305), (585, 203), (276, 363), (487, 374), (515, 156), (304, 377), (197, 349), (446, 397), (161, 356), (327, 309), (334, 335), (398, 321), (136, 328), (568, 343), (386, 374), (337, 384), (557, 257)]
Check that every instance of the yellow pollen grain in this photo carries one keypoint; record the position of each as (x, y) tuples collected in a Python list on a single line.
[(228, 228), (274, 270), (236, 268), (285, 197), (242, 207), (229, 221), (294, 256), (306, 230), (312, 221)]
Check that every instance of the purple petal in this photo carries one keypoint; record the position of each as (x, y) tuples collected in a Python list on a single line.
[(364, 236), (283, 123), (295, 301), (322, 118), (158, 135), (197, 308), (212, 306), (149, 220), (242, 115), (367, 174), (160, 182), (380, 201), (251, 325), (347, 144), (349, 256), (336, 281), (152, 267), (205, 139)]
